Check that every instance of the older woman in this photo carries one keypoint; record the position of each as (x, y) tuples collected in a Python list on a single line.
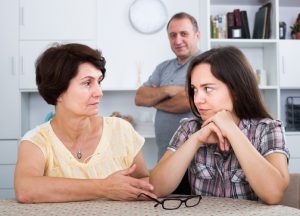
[(232, 147), (78, 155)]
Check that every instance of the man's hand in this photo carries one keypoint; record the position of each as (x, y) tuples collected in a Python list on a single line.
[(173, 90)]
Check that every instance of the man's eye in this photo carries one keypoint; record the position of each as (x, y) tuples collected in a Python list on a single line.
[(172, 35), (184, 34)]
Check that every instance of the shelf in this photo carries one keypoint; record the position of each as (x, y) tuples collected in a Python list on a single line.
[(238, 2), (246, 43), (292, 133), (290, 88), (289, 3), (268, 87)]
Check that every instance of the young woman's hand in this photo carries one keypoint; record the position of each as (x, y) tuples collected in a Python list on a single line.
[(211, 134), (224, 120), (121, 186)]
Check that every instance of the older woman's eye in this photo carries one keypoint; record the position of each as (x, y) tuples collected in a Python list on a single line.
[(87, 83)]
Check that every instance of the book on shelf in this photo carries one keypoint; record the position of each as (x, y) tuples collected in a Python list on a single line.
[(218, 26), (237, 18), (260, 23), (245, 24), (268, 6), (230, 24)]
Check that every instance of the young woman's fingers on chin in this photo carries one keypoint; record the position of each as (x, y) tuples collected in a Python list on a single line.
[(218, 132), (206, 122)]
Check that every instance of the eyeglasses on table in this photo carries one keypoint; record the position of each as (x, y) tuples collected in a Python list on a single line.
[(174, 202)]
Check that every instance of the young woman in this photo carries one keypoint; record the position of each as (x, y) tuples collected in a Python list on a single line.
[(232, 148), (78, 155)]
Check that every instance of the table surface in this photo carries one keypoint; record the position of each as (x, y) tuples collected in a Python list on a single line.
[(208, 206)]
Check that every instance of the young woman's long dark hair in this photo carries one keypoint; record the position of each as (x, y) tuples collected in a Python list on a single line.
[(229, 65)]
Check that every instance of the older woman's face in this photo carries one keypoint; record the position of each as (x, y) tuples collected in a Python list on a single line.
[(84, 92), (210, 94)]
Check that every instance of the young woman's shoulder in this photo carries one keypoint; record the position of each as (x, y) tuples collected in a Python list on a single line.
[(190, 124), (266, 122), (260, 124)]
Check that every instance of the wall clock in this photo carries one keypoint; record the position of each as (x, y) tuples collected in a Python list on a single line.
[(148, 16)]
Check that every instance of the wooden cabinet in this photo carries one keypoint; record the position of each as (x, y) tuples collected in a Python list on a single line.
[(44, 22), (289, 59), (8, 158), (292, 140), (9, 94), (58, 20)]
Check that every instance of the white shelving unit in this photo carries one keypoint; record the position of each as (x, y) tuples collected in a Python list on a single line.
[(277, 57)]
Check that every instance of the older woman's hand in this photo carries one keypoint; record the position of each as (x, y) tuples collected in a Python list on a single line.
[(121, 186)]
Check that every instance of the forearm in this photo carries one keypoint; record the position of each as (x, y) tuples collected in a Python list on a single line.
[(176, 104), (168, 173), (52, 189), (150, 96), (268, 182)]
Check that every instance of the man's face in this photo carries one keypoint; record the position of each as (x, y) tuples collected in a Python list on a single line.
[(183, 38)]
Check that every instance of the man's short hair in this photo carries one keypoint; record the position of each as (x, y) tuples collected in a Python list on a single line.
[(183, 15)]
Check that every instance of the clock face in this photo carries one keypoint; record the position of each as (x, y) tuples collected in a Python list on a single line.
[(148, 16)]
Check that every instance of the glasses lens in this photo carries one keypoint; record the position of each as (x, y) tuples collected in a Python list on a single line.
[(193, 201), (171, 204)]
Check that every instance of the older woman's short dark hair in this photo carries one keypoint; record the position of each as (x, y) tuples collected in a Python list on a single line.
[(59, 64), (229, 65)]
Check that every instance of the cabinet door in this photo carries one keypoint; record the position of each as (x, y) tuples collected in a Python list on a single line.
[(7, 176), (58, 20), (289, 60), (9, 92), (29, 52), (292, 142), (9, 151)]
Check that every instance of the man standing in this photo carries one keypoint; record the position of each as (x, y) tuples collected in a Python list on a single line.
[(165, 89)]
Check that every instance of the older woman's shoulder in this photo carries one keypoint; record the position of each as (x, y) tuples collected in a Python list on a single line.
[(114, 121)]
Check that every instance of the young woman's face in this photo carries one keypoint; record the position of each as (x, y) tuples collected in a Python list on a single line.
[(210, 94), (84, 92)]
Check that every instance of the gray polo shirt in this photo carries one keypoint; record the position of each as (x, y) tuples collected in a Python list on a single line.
[(169, 72)]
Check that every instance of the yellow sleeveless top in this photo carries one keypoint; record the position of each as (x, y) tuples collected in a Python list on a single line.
[(116, 150)]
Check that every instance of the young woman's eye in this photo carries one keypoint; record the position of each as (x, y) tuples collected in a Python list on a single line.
[(99, 82), (193, 89), (208, 89)]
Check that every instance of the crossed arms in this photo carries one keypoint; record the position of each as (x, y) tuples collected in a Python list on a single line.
[(165, 98)]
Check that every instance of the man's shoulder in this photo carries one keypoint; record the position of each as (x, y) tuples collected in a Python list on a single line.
[(167, 62)]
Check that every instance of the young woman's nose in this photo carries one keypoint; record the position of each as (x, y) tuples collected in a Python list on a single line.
[(199, 97)]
